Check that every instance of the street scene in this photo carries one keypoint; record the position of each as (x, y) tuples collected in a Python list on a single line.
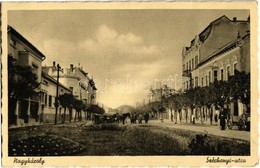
[(129, 82)]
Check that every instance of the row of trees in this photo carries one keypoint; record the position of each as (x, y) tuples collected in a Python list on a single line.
[(218, 93), (67, 101)]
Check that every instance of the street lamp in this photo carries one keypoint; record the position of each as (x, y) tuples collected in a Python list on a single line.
[(57, 93)]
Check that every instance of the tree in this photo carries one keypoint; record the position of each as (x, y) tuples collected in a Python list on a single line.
[(22, 83), (78, 105), (209, 99), (190, 96), (175, 105), (221, 92), (95, 109), (240, 89), (66, 101), (184, 102), (199, 100)]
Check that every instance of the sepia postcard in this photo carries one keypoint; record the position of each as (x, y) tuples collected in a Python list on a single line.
[(129, 84)]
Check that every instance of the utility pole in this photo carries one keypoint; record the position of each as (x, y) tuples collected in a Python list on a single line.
[(57, 93)]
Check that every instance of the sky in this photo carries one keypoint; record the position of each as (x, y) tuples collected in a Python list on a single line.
[(125, 51)]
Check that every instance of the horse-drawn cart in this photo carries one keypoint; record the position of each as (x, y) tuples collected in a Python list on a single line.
[(242, 122), (103, 118)]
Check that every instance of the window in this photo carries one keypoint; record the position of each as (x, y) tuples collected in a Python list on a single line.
[(45, 82), (196, 81), (209, 77), (235, 108), (202, 81), (189, 65), (183, 67), (45, 101), (42, 97), (35, 68), (50, 101), (222, 74), (206, 83), (187, 85), (228, 72), (235, 67), (192, 65), (196, 61), (13, 43), (215, 75)]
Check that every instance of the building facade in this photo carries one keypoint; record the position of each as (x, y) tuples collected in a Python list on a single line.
[(77, 80), (48, 96), (214, 54), (156, 95), (26, 111)]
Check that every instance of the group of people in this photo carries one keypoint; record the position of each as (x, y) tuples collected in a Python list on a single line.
[(134, 118)]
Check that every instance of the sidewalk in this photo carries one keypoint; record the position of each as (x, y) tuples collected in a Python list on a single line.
[(205, 128)]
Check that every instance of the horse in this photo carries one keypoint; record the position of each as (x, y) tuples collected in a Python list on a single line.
[(124, 116), (133, 118)]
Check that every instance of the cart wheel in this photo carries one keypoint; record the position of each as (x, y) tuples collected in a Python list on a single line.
[(230, 125), (241, 125)]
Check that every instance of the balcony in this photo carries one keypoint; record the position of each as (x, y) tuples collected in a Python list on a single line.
[(186, 73)]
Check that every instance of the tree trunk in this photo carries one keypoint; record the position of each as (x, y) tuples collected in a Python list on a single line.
[(70, 114), (75, 116), (201, 115), (171, 115), (210, 115), (186, 113), (192, 115), (64, 115)]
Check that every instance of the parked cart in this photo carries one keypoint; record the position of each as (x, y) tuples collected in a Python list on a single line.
[(242, 122)]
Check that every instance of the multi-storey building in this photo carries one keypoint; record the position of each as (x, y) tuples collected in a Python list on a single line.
[(26, 54), (214, 54), (156, 95), (48, 90), (77, 80)]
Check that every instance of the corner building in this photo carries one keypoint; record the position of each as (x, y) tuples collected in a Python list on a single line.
[(216, 53)]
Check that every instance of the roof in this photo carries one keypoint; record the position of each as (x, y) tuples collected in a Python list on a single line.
[(25, 41), (53, 80), (224, 49), (205, 33), (82, 71)]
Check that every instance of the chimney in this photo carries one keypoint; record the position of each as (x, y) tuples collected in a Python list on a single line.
[(71, 67), (234, 19), (54, 64), (238, 34)]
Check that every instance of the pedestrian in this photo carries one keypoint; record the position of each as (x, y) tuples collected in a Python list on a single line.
[(193, 118), (222, 119), (161, 118), (216, 114), (146, 117)]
